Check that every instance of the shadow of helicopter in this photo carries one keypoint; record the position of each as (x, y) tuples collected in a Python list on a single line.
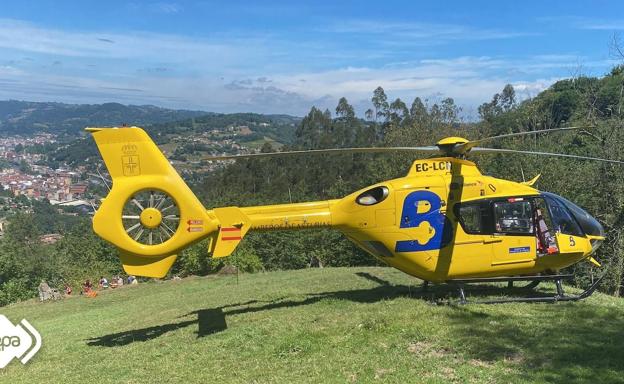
[(213, 320)]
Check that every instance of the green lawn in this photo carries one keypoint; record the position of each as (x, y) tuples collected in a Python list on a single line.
[(331, 325)]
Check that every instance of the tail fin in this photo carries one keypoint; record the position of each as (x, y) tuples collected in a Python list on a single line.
[(234, 225), (150, 214)]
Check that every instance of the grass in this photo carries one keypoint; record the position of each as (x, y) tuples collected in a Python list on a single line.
[(337, 325), (257, 144)]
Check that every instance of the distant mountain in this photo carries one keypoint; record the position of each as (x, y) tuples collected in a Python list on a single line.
[(258, 128), (25, 117)]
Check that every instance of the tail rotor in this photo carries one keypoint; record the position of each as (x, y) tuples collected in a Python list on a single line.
[(151, 217)]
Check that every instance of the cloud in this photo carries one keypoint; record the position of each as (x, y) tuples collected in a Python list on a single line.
[(602, 25), (259, 72), (399, 32), (167, 8), (586, 23), (28, 37), (469, 80)]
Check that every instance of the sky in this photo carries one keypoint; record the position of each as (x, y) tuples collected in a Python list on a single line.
[(286, 56)]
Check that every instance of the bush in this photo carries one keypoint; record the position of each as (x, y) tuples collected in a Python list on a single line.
[(16, 290)]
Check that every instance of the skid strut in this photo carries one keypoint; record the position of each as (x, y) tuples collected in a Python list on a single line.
[(533, 282)]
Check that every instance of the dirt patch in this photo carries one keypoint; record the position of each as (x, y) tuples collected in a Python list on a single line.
[(424, 348), (228, 270), (479, 363), (381, 372)]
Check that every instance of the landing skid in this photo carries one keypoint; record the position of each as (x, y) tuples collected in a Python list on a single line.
[(533, 282)]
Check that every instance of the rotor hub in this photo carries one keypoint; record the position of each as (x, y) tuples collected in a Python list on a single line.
[(151, 218), (451, 146), (451, 141)]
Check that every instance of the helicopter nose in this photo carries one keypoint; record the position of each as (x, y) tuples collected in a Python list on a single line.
[(596, 228), (588, 224)]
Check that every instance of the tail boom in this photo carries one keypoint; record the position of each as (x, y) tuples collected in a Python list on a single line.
[(234, 222), (290, 216)]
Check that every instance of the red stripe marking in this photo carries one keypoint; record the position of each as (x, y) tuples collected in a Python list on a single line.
[(231, 238), (230, 229)]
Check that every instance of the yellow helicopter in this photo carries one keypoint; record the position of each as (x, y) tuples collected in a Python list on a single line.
[(443, 222)]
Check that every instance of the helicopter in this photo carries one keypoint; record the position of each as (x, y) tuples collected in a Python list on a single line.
[(444, 221)]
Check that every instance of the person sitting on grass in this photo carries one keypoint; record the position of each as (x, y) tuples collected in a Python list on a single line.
[(103, 284), (87, 287)]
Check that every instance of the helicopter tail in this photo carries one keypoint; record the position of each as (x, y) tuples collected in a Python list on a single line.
[(150, 214)]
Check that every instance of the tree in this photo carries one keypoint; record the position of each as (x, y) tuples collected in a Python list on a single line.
[(450, 112), (435, 114), (345, 124), (500, 103), (507, 98), (397, 112), (380, 102), (418, 111), (344, 110), (266, 147), (24, 167), (314, 126)]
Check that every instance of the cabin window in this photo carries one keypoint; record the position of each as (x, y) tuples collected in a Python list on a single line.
[(513, 216), (373, 196), (470, 217), (475, 217)]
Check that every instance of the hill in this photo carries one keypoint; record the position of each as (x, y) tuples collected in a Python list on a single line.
[(26, 117), (280, 128), (212, 133), (330, 325)]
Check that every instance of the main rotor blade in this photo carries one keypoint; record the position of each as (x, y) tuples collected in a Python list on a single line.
[(514, 151), (464, 148), (327, 151)]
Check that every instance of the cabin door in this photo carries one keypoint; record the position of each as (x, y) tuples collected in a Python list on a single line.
[(514, 239)]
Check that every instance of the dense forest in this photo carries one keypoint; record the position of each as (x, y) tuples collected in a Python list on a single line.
[(594, 103)]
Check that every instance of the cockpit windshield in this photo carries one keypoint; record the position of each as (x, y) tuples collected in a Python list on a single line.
[(570, 219)]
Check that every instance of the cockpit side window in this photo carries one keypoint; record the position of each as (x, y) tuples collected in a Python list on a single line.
[(562, 220)]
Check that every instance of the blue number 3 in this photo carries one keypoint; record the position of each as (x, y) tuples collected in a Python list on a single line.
[(411, 218)]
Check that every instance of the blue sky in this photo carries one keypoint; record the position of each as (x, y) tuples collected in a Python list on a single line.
[(285, 56)]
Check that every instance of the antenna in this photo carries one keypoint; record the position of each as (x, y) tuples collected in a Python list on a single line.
[(103, 179)]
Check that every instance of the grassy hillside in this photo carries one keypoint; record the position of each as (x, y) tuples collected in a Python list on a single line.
[(331, 325)]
